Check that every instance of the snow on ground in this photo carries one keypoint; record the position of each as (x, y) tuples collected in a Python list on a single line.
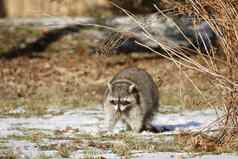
[(172, 155), (90, 120), (86, 120), (188, 120)]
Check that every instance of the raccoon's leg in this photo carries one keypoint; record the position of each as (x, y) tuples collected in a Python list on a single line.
[(135, 123), (149, 127), (134, 118), (111, 120), (128, 127), (148, 124)]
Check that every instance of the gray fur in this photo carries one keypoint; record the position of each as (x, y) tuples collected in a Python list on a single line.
[(132, 97)]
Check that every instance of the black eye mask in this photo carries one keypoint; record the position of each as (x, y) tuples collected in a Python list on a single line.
[(125, 102), (113, 102)]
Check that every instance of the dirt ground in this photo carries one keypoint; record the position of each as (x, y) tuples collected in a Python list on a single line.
[(67, 74)]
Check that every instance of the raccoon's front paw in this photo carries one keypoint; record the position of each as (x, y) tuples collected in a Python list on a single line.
[(136, 125), (110, 126), (151, 128), (109, 130), (137, 129)]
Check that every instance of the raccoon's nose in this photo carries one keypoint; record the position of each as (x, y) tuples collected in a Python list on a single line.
[(116, 107), (122, 107)]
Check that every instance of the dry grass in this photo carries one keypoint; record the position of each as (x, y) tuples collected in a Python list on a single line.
[(65, 75), (202, 142), (221, 16)]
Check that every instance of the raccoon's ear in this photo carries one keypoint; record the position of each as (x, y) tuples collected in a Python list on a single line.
[(109, 86), (132, 88)]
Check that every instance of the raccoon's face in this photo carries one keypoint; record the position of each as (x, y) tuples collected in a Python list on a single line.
[(121, 96)]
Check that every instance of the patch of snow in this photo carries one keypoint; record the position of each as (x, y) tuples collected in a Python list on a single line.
[(24, 149), (7, 129), (188, 120), (96, 153), (173, 155), (221, 156), (90, 120), (87, 120), (28, 150)]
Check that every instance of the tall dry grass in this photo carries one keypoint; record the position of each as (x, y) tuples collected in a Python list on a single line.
[(222, 17)]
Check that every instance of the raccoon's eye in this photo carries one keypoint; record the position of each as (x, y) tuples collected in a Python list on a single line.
[(113, 102), (125, 102)]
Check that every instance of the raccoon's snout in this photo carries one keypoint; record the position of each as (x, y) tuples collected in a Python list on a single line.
[(115, 107), (120, 104), (120, 108)]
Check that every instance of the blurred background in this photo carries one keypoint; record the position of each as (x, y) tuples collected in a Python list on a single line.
[(47, 59), (38, 8)]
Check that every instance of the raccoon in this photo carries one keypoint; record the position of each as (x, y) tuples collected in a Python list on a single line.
[(132, 97)]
